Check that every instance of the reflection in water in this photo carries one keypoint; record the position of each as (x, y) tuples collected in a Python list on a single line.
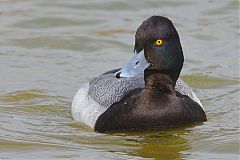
[(163, 145), (48, 49)]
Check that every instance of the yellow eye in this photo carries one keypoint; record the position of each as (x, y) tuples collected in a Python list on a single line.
[(159, 42)]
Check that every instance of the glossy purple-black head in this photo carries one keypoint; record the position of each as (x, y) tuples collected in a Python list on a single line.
[(157, 48)]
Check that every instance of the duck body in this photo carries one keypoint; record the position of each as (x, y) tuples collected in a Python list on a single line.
[(95, 99), (150, 108), (145, 94)]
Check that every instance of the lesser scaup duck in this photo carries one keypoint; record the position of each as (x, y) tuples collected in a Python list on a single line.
[(145, 94)]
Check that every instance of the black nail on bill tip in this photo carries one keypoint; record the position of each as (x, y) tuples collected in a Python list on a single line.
[(118, 75)]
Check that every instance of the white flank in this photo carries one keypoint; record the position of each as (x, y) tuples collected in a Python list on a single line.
[(85, 109)]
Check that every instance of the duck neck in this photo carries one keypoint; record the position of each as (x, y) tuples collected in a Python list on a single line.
[(159, 82)]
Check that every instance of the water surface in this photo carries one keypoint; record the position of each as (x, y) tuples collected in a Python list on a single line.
[(48, 49)]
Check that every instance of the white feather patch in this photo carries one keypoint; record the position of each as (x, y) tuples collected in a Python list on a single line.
[(84, 109)]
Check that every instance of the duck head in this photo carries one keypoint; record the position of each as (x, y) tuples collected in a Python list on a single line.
[(157, 50)]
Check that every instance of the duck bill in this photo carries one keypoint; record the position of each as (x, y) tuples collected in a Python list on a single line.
[(136, 65)]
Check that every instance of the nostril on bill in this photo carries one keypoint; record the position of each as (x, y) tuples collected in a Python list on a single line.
[(118, 75), (137, 63)]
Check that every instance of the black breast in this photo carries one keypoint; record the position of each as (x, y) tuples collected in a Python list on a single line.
[(143, 109)]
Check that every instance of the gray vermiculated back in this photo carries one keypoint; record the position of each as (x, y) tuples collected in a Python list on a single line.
[(107, 89)]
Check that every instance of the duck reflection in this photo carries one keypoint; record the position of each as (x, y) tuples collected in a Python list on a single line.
[(169, 144)]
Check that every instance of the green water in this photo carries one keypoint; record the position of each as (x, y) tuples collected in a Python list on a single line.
[(48, 49)]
